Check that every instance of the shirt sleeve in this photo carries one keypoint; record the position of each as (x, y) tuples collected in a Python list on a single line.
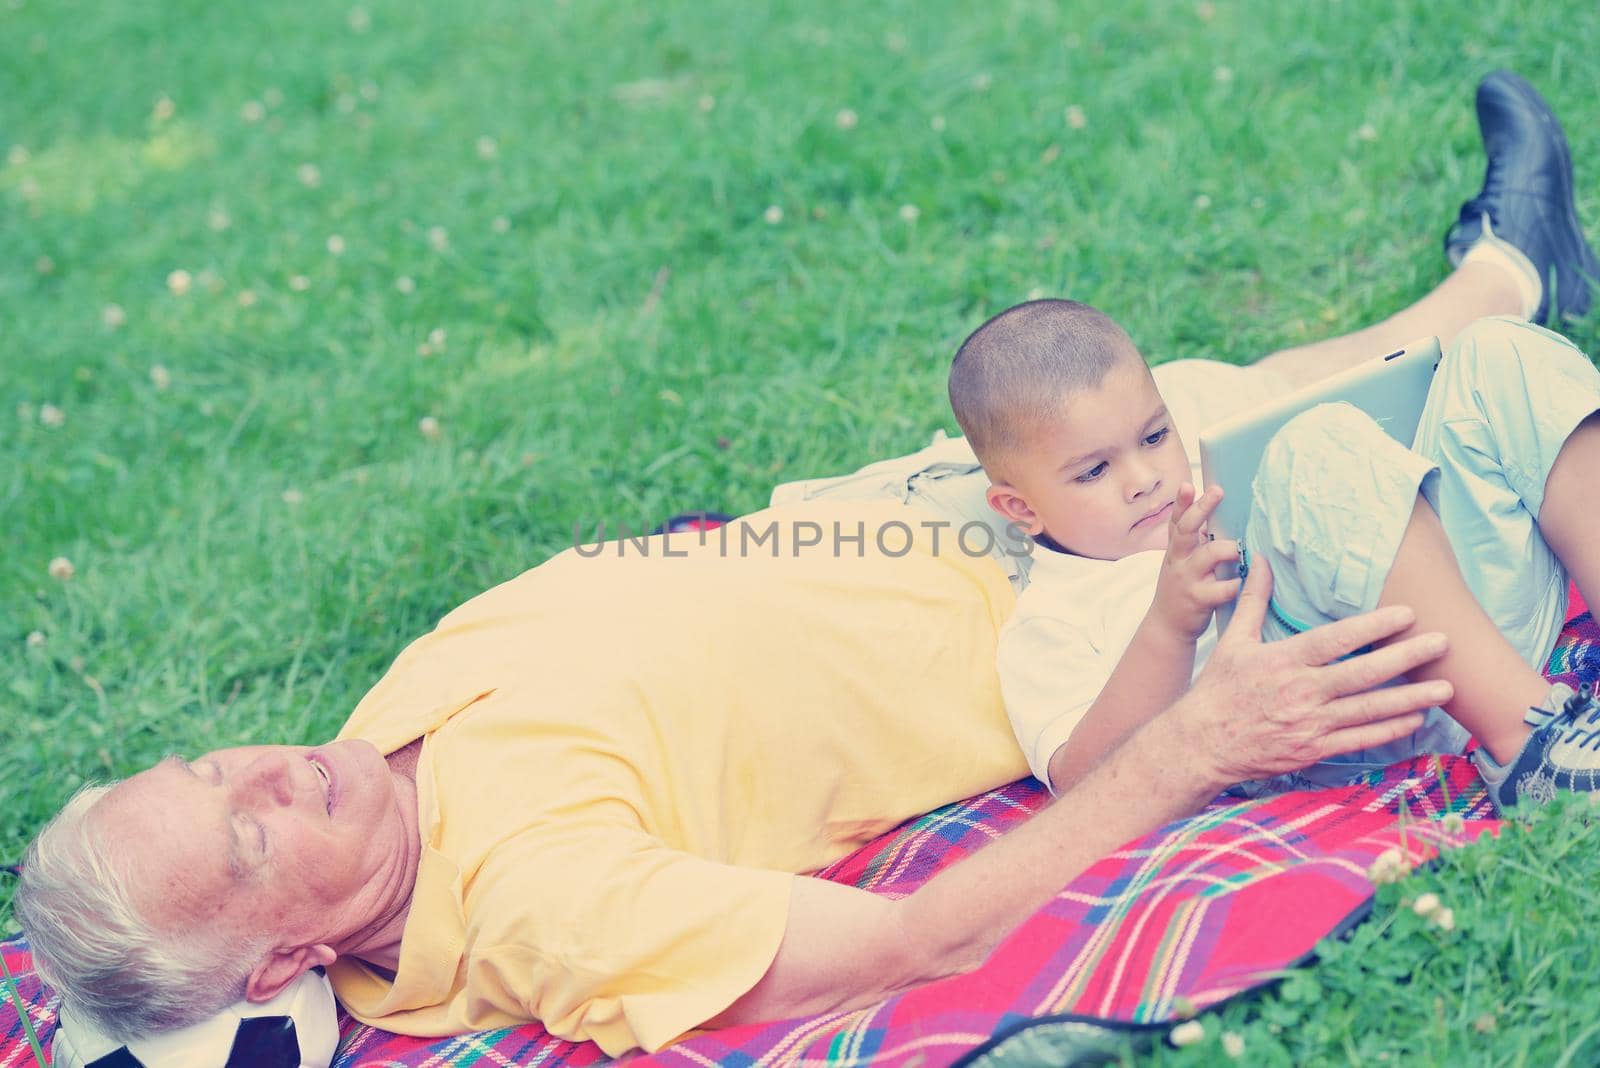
[(1050, 673), (602, 933)]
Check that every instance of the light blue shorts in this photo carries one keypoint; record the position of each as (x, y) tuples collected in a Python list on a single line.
[(1334, 494)]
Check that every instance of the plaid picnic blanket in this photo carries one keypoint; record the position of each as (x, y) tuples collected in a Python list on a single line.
[(1198, 911)]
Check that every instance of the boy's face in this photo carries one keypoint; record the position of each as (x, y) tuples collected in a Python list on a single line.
[(1100, 480)]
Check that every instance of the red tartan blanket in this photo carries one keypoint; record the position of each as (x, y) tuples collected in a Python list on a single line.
[(1192, 914)]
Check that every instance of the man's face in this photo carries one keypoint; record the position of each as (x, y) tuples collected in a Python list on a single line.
[(1101, 480), (293, 844)]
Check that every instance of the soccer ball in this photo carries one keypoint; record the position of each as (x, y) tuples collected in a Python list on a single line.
[(297, 1029)]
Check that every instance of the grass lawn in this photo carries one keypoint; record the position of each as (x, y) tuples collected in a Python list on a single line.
[(316, 320)]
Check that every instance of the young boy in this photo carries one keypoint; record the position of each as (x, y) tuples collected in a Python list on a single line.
[(1083, 453)]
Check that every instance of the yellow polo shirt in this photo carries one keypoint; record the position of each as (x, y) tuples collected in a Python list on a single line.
[(626, 755)]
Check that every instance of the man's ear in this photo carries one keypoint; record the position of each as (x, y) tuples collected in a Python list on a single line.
[(1005, 499), (282, 966)]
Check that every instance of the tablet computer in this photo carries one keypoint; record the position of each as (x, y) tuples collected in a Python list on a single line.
[(1392, 389)]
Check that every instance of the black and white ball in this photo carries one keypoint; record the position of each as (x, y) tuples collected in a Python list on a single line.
[(297, 1029)]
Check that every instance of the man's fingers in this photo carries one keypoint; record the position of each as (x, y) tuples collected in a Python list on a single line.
[(1375, 706), (1371, 735), (1251, 610), (1379, 666), (1327, 643)]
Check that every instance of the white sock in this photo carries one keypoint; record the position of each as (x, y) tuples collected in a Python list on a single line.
[(1508, 257)]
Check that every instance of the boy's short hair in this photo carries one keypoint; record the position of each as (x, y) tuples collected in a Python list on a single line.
[(1011, 374)]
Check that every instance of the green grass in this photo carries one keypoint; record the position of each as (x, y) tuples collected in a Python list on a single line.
[(625, 336)]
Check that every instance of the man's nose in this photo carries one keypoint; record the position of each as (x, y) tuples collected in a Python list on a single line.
[(266, 779)]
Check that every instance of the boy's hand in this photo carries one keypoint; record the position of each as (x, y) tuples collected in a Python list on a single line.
[(1188, 591)]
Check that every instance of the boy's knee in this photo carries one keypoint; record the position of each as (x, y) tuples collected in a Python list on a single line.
[(1307, 456), (1488, 348)]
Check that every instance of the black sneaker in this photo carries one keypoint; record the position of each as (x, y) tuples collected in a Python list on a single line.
[(1527, 195), (1562, 753)]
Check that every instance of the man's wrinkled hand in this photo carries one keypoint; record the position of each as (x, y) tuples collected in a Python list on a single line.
[(1261, 709)]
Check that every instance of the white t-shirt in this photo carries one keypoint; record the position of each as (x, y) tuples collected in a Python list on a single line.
[(1077, 616), (1069, 631)]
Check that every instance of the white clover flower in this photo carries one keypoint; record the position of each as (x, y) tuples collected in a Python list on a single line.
[(252, 111), (44, 265), (1076, 119), (51, 416), (346, 103), (247, 298), (160, 377), (500, 224), (1453, 823), (164, 109), (1426, 904), (1223, 75), (293, 497), (436, 337), (773, 215), (35, 639), (982, 82), (1392, 857), (1036, 293), (180, 282), (113, 316), (299, 283), (335, 245), (1367, 132), (1187, 1033), (910, 213), (1258, 202), (1202, 202), (369, 91), (488, 147), (61, 569), (429, 427), (846, 119), (359, 20), (17, 155), (895, 42), (1205, 10), (1233, 1044), (405, 284), (438, 238), (310, 175), (937, 124), (218, 219), (1446, 919), (707, 102), (424, 350)]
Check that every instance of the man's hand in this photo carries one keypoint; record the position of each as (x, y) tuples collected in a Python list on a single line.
[(1188, 591), (1258, 709)]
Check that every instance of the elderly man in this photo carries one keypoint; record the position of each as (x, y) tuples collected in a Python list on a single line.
[(589, 796), (584, 797)]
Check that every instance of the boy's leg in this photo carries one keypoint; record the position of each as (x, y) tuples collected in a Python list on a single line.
[(1332, 510)]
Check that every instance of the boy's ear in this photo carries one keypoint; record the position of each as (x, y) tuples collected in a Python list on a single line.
[(1005, 499)]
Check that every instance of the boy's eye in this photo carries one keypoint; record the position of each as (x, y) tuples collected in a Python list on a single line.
[(1157, 437), (1093, 473)]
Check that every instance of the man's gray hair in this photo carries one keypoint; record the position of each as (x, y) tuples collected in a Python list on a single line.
[(89, 942)]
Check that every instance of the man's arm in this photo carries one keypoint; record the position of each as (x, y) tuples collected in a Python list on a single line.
[(1256, 710)]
